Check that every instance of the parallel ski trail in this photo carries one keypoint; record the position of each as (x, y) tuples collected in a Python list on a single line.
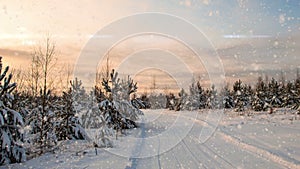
[(255, 150)]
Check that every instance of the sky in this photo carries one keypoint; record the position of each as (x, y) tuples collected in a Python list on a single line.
[(251, 37)]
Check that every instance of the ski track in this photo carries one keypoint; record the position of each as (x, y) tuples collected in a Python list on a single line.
[(259, 152), (261, 144), (134, 161), (187, 149), (255, 150), (196, 154), (200, 148), (158, 155)]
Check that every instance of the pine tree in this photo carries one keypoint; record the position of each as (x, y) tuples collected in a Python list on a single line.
[(137, 102), (11, 122), (158, 101), (145, 100), (183, 101), (196, 97), (67, 122), (212, 101), (259, 102), (289, 95), (41, 121), (92, 116), (274, 94), (171, 101), (296, 104), (248, 92), (114, 110), (239, 96), (228, 101)]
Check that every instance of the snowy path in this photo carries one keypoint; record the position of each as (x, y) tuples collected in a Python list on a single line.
[(261, 141)]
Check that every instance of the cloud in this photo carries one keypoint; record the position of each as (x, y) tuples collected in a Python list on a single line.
[(15, 58)]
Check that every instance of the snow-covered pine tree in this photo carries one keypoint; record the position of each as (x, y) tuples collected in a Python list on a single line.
[(196, 97), (289, 95), (92, 116), (114, 109), (95, 120), (79, 97), (21, 104), (239, 96), (183, 101), (67, 123), (145, 100), (212, 100), (248, 92), (296, 105), (227, 98), (118, 98), (137, 102), (259, 102), (157, 101), (171, 101), (274, 94), (11, 122), (128, 103), (41, 122)]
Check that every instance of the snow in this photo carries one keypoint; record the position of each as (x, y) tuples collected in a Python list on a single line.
[(17, 117), (5, 141), (1, 119), (169, 139)]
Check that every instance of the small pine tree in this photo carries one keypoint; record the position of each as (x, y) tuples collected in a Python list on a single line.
[(183, 101), (260, 100), (158, 101), (212, 101), (111, 109), (274, 95), (296, 105), (228, 101), (68, 125), (171, 101), (92, 117), (41, 122), (11, 121), (239, 96), (290, 94), (196, 97)]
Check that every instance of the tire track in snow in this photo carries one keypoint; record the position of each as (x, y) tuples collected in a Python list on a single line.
[(255, 150)]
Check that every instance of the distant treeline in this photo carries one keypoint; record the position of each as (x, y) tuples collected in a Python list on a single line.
[(265, 95)]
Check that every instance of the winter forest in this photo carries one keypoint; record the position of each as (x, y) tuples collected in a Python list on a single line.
[(177, 84), (35, 120)]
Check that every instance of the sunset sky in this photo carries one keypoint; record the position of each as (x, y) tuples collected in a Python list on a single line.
[(252, 37)]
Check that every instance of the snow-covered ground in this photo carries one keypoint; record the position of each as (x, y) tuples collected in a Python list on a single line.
[(169, 139)]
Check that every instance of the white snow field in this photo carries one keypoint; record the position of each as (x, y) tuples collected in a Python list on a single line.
[(169, 139)]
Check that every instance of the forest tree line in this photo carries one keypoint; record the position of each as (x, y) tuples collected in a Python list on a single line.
[(265, 95)]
